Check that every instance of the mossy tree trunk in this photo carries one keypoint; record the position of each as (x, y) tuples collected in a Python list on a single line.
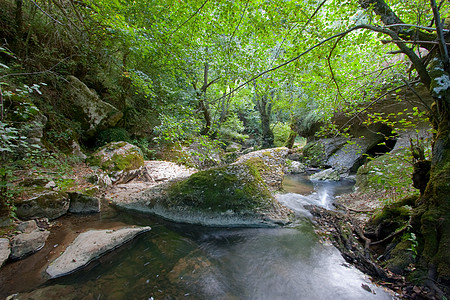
[(432, 212)]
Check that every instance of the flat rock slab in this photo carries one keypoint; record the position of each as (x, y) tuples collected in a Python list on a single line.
[(4, 250), (89, 246)]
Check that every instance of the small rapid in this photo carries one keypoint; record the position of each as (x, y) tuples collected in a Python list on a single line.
[(301, 191)]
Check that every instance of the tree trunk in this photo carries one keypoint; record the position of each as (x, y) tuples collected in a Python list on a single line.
[(292, 134), (434, 205), (264, 106)]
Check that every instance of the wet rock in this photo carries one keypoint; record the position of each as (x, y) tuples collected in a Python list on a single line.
[(89, 246), (328, 174), (294, 167), (50, 205), (120, 160), (83, 204), (5, 250), (86, 107), (27, 227), (25, 244)]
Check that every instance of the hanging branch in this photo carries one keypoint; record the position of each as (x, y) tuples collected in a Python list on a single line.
[(239, 24), (193, 15), (45, 13), (440, 33), (331, 68), (417, 62)]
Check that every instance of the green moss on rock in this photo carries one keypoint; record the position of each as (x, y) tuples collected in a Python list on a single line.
[(235, 188), (117, 156)]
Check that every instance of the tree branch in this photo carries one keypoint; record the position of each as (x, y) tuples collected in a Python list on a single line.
[(440, 34), (45, 13), (193, 15)]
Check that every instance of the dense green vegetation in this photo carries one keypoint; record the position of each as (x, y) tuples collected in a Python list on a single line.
[(200, 75)]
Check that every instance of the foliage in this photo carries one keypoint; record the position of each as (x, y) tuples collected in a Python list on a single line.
[(281, 133), (112, 135)]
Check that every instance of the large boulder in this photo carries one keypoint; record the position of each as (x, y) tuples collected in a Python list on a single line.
[(233, 195), (270, 164), (49, 205), (86, 107), (25, 244), (120, 160), (89, 246)]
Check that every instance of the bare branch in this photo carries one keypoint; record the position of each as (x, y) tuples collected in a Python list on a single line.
[(239, 24), (415, 26), (45, 13), (330, 67)]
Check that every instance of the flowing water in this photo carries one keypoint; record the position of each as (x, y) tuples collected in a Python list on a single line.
[(175, 261)]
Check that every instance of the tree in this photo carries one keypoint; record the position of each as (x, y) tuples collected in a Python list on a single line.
[(432, 214)]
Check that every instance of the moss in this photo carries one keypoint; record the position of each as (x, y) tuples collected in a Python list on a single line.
[(235, 188), (314, 153), (402, 256)]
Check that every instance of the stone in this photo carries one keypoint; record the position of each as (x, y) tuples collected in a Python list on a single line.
[(76, 151), (25, 244), (233, 195), (120, 160), (89, 246), (294, 167), (50, 185), (60, 292), (83, 204), (50, 205), (270, 164), (27, 226), (86, 107), (328, 174), (233, 147), (34, 131), (5, 250)]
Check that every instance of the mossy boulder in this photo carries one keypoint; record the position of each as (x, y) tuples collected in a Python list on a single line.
[(120, 160), (233, 195), (83, 203), (50, 205), (270, 164), (86, 108), (401, 256)]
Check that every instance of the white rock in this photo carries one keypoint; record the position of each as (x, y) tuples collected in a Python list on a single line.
[(4, 250), (89, 246)]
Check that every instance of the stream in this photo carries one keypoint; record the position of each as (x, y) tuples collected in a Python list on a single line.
[(176, 261)]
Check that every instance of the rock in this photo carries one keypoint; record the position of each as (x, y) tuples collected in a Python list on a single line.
[(34, 131), (120, 160), (27, 227), (25, 244), (317, 153), (270, 164), (50, 205), (89, 246), (351, 156), (5, 250), (233, 147), (85, 106), (328, 174), (50, 185), (233, 195), (83, 204), (294, 167), (76, 151)]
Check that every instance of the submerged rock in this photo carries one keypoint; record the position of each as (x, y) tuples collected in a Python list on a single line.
[(25, 244), (89, 246), (50, 205), (5, 250)]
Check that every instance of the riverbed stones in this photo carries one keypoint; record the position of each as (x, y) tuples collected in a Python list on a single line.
[(25, 244), (5, 250), (89, 246), (27, 226), (50, 205)]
